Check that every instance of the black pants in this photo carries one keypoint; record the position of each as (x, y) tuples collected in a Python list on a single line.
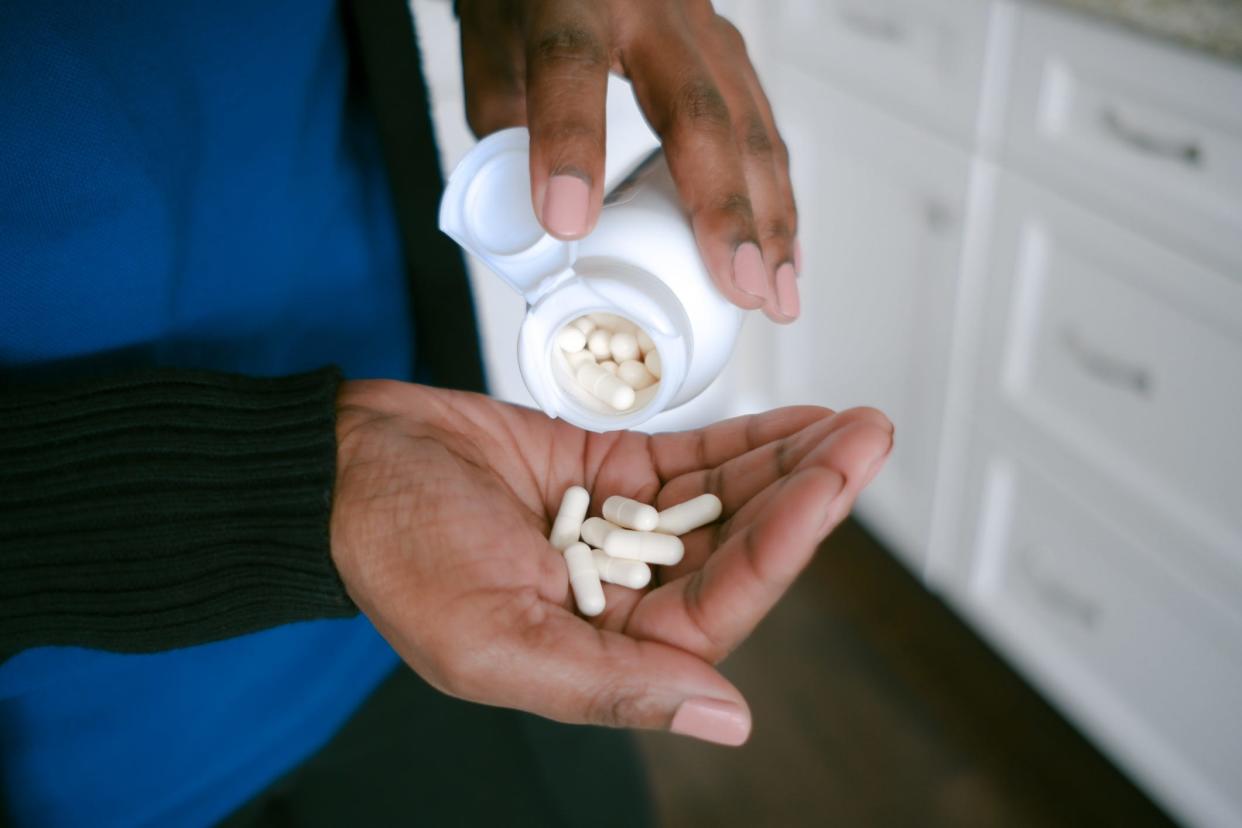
[(413, 756)]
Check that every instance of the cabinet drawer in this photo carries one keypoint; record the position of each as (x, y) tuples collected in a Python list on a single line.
[(1114, 631), (923, 60), (1151, 133), (1126, 353)]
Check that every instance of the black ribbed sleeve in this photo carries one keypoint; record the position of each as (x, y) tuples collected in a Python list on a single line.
[(165, 508)]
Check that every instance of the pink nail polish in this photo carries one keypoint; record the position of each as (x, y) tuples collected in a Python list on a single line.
[(565, 206), (749, 274), (798, 256), (712, 721), (787, 300)]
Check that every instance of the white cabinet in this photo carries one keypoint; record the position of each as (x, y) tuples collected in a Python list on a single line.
[(1151, 135), (1022, 242), (1089, 504), (1107, 619), (1100, 536), (881, 208), (922, 59)]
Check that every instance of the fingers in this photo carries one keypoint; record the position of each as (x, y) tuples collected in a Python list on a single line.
[(767, 543), (744, 484), (739, 479), (676, 453), (700, 93), (556, 665), (567, 63), (685, 106), (493, 68), (765, 161)]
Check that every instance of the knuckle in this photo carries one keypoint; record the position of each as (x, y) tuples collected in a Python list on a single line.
[(731, 34), (620, 703), (781, 150), (755, 138), (735, 207), (700, 103), (775, 229), (569, 46), (573, 132), (713, 650)]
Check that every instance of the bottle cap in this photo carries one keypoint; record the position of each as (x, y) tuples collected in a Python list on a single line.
[(487, 209)]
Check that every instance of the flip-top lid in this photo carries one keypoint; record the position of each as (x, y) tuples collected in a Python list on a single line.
[(487, 210)]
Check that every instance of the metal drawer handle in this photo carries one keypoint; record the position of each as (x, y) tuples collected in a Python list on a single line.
[(1188, 152), (938, 216), (1058, 597), (1106, 368), (874, 26)]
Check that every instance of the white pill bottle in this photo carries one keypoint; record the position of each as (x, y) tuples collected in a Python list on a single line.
[(640, 262)]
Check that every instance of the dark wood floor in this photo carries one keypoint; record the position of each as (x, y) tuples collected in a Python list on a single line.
[(875, 706)]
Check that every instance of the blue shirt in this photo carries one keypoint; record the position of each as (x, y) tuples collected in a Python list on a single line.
[(186, 184)]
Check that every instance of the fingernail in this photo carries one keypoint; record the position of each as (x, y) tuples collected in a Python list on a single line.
[(798, 256), (748, 272), (787, 301), (565, 205), (712, 721)]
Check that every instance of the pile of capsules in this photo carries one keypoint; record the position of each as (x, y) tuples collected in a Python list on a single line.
[(611, 358), (619, 547)]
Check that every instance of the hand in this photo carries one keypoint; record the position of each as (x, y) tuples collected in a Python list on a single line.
[(545, 64), (439, 529)]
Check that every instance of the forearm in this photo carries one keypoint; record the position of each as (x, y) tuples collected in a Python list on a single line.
[(165, 509)]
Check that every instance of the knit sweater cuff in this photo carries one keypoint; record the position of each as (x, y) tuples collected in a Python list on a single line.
[(165, 509)]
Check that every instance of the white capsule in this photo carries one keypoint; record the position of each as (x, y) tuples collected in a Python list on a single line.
[(595, 531), (569, 517), (630, 514), (624, 346), (653, 364), (577, 358), (632, 574), (584, 324), (584, 579), (610, 366), (613, 322), (570, 339), (600, 343), (604, 386), (645, 343), (634, 374), (649, 547), (688, 516)]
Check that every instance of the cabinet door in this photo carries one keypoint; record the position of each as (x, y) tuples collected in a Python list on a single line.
[(881, 208)]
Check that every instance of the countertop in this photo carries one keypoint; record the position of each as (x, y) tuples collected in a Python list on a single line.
[(1213, 26)]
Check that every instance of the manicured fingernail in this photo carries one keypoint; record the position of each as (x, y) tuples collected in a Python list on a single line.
[(748, 272), (711, 721), (798, 256), (787, 301), (565, 205)]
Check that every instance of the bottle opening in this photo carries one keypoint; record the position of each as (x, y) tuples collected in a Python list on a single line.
[(606, 364)]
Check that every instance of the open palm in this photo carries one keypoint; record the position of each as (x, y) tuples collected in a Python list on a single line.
[(439, 530)]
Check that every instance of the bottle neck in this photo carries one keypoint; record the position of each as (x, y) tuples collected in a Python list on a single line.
[(551, 374)]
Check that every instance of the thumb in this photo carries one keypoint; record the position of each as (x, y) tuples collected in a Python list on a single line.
[(568, 670)]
